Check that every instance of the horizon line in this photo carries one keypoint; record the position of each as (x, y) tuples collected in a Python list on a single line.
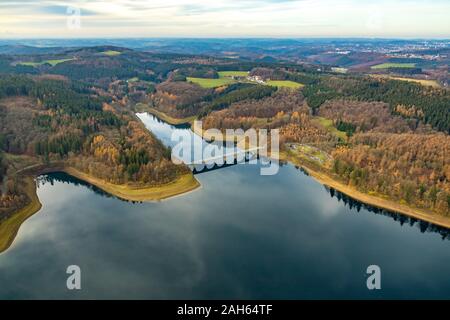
[(230, 37)]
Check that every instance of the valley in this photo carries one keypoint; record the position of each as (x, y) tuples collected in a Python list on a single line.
[(380, 139)]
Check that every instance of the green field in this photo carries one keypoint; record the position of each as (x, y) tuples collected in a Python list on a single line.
[(394, 65), (424, 82), (50, 62), (339, 70), (310, 153), (111, 53), (225, 79), (229, 74), (328, 124), (285, 84), (211, 83)]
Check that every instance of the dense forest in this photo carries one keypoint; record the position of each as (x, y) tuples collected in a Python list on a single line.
[(411, 168), (267, 112), (431, 105), (183, 99), (390, 144), (383, 137), (49, 121)]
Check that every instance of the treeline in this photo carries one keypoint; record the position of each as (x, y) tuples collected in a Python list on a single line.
[(317, 94), (268, 113), (59, 95), (405, 71), (65, 111), (179, 99), (199, 72), (291, 74), (50, 124), (182, 99), (133, 159), (92, 69), (53, 94), (347, 127), (268, 73), (60, 145), (7, 67), (71, 98), (14, 85), (256, 92), (133, 156), (3, 166), (411, 168), (433, 102), (368, 117), (304, 78)]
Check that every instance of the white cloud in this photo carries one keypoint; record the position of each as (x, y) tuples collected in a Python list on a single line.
[(193, 18)]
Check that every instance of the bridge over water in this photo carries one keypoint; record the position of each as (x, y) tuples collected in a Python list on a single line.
[(224, 160)]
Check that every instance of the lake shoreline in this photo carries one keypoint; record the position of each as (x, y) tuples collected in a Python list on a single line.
[(371, 200), (183, 184), (326, 180), (165, 117), (10, 226)]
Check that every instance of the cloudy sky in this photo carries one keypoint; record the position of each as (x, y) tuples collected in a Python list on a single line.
[(224, 18)]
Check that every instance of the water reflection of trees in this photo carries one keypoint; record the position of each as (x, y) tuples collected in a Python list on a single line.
[(423, 226), (172, 126), (62, 177), (353, 204), (306, 173)]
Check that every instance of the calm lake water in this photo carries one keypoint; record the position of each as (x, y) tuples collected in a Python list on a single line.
[(241, 236)]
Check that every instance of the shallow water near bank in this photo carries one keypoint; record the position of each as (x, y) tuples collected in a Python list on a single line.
[(242, 236)]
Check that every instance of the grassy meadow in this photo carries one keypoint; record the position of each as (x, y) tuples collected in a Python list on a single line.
[(229, 74), (285, 84), (111, 53), (211, 83), (431, 83), (394, 65), (328, 124), (53, 62), (226, 78)]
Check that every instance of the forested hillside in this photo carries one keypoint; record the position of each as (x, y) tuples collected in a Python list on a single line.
[(384, 137), (431, 105), (49, 121)]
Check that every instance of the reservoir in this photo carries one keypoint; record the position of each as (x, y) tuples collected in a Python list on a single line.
[(240, 236)]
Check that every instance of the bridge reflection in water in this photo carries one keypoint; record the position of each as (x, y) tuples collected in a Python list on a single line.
[(224, 161)]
